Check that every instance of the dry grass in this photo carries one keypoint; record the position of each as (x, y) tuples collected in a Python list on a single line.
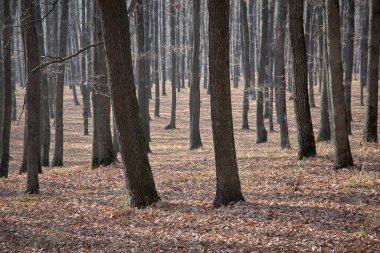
[(291, 205)]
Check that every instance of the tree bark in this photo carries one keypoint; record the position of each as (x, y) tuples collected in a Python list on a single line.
[(63, 27), (141, 190), (227, 178), (342, 151), (305, 135), (246, 67), (32, 59), (370, 128)]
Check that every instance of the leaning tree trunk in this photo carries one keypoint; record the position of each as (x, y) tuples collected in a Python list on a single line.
[(7, 88), (63, 27), (141, 190), (305, 135), (279, 71), (32, 58), (262, 135), (195, 96), (227, 178), (370, 128), (342, 150)]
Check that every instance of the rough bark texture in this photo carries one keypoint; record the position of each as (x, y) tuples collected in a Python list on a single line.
[(246, 67), (305, 135), (279, 71), (173, 64), (195, 96), (261, 132), (32, 58), (7, 88), (370, 128), (342, 151), (103, 154), (227, 178), (141, 190), (63, 27), (349, 58)]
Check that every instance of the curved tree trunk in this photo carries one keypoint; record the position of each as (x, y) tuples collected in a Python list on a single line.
[(141, 190)]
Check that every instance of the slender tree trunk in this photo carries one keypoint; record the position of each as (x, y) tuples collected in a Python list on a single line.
[(262, 75), (305, 135), (227, 178), (32, 95), (141, 190), (195, 96), (370, 128), (156, 74), (279, 71), (173, 64), (7, 87), (63, 27), (342, 151), (246, 67), (363, 49), (163, 47)]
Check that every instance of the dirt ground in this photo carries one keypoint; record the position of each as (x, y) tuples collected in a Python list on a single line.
[(292, 206)]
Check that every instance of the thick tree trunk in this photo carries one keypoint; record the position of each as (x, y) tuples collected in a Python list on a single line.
[(370, 128), (305, 135), (7, 87), (195, 96), (342, 151), (227, 178), (63, 27), (263, 77), (141, 190), (32, 95), (279, 71)]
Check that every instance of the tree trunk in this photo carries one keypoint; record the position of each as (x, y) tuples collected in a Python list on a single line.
[(262, 134), (279, 71), (246, 67), (58, 150), (173, 66), (32, 59), (305, 135), (227, 178), (195, 96), (370, 128), (156, 74), (163, 47), (363, 49), (7, 87), (141, 190), (342, 151)]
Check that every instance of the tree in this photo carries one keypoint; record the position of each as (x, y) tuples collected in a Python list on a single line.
[(173, 64), (370, 128), (195, 96), (342, 151), (279, 70), (305, 135), (7, 88), (156, 73), (141, 190), (102, 149), (263, 77), (227, 178), (63, 27), (30, 39), (363, 48)]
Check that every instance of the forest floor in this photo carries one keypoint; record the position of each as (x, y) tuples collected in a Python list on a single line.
[(292, 206)]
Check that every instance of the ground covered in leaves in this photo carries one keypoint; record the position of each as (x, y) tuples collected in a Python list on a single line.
[(292, 206)]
